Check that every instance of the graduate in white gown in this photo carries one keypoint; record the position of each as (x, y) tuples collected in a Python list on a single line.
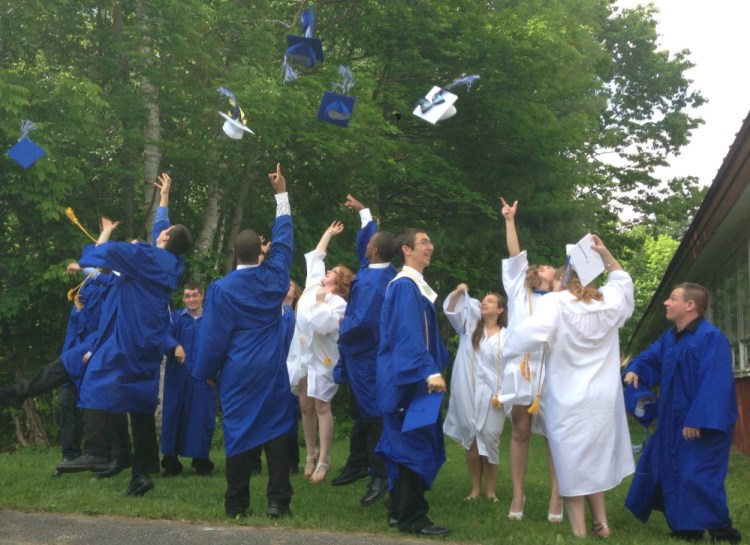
[(522, 378), (314, 351), (582, 397), (475, 416)]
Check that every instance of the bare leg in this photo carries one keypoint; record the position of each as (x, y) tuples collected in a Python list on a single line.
[(490, 478), (474, 465), (519, 453), (598, 514), (309, 425), (325, 430), (555, 501), (576, 516)]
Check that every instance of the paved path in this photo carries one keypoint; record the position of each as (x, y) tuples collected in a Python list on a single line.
[(43, 528)]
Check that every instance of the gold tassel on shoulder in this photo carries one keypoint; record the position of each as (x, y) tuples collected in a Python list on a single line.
[(72, 217)]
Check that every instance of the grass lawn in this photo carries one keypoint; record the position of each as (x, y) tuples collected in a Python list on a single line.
[(27, 485)]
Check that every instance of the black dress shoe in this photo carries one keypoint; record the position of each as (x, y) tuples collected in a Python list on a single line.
[(377, 489), (433, 531), (139, 486), (277, 509), (349, 476), (85, 462), (203, 466), (116, 466), (728, 535)]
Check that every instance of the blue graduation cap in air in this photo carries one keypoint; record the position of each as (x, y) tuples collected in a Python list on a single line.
[(641, 403), (337, 108), (26, 152), (438, 103), (306, 49)]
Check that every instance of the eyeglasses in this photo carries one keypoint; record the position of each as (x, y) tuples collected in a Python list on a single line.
[(426, 242)]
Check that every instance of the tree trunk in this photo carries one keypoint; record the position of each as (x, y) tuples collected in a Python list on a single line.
[(211, 216), (237, 213), (152, 128)]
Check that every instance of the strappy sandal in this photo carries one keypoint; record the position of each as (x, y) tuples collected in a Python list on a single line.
[(601, 529), (322, 467), (310, 470)]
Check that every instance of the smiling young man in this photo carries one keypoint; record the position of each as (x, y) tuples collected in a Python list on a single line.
[(410, 360), (682, 469)]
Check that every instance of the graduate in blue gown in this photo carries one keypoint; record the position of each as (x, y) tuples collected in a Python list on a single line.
[(242, 343), (411, 358), (122, 372), (683, 467), (359, 336), (189, 404)]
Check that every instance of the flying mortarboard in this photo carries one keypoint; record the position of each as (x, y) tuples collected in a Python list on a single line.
[(305, 49), (26, 152), (438, 104), (236, 123), (337, 108), (584, 261)]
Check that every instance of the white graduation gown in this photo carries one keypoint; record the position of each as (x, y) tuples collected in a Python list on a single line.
[(474, 380), (314, 350), (582, 396)]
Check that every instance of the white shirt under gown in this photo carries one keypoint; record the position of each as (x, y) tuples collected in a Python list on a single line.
[(475, 379), (314, 350), (582, 396)]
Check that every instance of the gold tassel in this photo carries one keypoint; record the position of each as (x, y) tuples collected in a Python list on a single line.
[(525, 368), (72, 217), (74, 292), (327, 360), (535, 406)]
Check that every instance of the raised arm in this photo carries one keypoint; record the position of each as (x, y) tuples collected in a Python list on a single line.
[(334, 229), (511, 237), (455, 296), (610, 263), (163, 182), (107, 227)]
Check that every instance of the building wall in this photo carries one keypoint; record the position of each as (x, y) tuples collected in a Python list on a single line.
[(742, 428)]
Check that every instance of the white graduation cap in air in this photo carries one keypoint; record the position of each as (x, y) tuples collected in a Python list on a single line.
[(584, 260)]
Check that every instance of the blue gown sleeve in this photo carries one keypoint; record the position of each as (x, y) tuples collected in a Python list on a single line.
[(647, 365), (363, 238), (216, 334), (161, 222)]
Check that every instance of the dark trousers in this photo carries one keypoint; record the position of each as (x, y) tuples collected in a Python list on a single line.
[(238, 468), (46, 379), (365, 436), (104, 430), (409, 503), (71, 423)]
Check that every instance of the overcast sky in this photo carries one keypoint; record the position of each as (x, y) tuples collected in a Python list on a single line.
[(715, 34)]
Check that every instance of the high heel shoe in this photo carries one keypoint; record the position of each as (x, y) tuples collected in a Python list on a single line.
[(517, 515), (556, 519), (601, 529)]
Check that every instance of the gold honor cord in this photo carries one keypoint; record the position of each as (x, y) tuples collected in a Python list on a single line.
[(537, 400), (525, 367), (72, 217), (496, 398), (73, 293)]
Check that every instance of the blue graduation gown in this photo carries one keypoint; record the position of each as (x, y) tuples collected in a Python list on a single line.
[(123, 372), (403, 365), (359, 334), (189, 404), (82, 323), (685, 479), (242, 343)]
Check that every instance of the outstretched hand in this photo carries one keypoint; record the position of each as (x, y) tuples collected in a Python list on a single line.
[(163, 182), (277, 179), (353, 204), (508, 211), (335, 228), (107, 224)]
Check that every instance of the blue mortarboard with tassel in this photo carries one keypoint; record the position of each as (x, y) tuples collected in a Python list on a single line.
[(335, 107), (438, 104), (641, 403), (306, 49), (235, 124), (26, 152)]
